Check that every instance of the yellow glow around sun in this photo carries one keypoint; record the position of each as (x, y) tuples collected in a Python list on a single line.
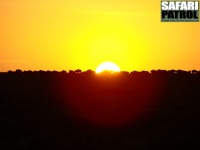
[(107, 66)]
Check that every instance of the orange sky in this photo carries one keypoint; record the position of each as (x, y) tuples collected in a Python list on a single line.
[(72, 34)]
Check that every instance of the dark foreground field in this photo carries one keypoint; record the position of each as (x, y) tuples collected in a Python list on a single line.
[(137, 111)]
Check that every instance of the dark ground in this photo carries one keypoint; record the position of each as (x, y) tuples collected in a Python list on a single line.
[(137, 111)]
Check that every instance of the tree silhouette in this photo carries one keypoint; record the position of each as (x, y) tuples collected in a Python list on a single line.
[(78, 71), (18, 71)]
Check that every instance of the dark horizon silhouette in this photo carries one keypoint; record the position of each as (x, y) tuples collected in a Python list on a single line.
[(171, 71), (76, 109)]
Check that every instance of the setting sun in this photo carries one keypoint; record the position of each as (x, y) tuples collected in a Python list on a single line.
[(107, 66)]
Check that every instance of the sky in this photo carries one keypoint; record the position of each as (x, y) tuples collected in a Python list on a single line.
[(82, 34)]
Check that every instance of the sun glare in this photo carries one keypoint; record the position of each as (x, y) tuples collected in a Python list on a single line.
[(107, 66)]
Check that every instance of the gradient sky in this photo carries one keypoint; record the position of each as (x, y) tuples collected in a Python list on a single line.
[(72, 34)]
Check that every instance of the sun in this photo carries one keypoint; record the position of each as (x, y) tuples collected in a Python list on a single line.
[(107, 66)]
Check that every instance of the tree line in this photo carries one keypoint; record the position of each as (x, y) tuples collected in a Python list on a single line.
[(90, 72)]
